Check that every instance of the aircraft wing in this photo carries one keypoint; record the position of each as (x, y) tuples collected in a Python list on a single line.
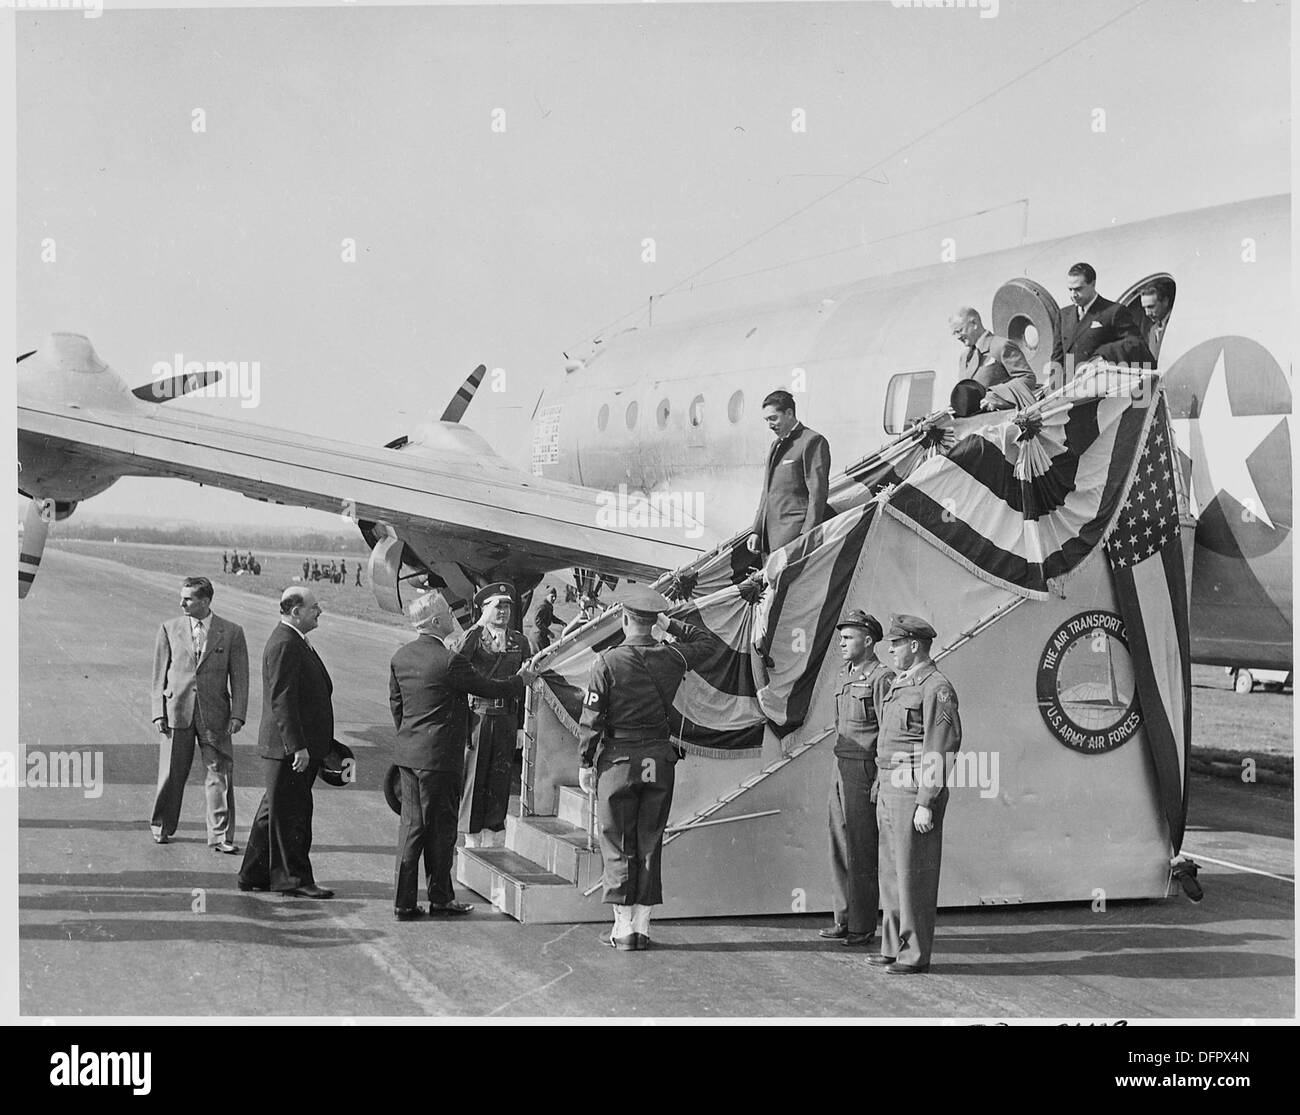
[(79, 431)]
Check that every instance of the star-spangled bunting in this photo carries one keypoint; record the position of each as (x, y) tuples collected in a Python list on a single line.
[(1150, 581)]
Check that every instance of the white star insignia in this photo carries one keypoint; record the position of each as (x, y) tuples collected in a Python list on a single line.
[(1219, 442)]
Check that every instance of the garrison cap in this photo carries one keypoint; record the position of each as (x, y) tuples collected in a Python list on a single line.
[(910, 627), (859, 618), (645, 603), (497, 590)]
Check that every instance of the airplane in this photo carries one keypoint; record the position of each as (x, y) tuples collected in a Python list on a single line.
[(669, 417)]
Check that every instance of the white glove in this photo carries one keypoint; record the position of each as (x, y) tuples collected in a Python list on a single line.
[(587, 779)]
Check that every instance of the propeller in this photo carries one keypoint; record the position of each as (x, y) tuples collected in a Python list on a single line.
[(36, 525), (461, 400), (173, 387)]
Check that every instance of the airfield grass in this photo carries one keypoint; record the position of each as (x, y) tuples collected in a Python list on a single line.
[(1223, 722)]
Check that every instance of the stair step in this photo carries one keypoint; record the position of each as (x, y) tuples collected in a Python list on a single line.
[(524, 889), (557, 845), (573, 806)]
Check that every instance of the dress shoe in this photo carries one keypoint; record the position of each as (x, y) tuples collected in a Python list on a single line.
[(311, 890), (447, 909), (628, 943), (226, 848), (881, 961), (908, 969), (857, 940), (642, 941), (252, 886), (409, 913), (160, 837), (834, 932)]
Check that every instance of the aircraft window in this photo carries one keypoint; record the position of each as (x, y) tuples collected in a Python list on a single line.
[(736, 407), (909, 396), (661, 415), (697, 411), (602, 419), (631, 415)]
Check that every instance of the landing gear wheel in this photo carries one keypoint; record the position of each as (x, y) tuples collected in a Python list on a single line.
[(1244, 682)]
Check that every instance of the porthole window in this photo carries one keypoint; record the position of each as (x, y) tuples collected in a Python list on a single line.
[(736, 407), (696, 413), (631, 415), (602, 419), (661, 414)]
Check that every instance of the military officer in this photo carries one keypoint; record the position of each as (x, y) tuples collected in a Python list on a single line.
[(495, 650), (920, 731), (862, 685), (628, 756)]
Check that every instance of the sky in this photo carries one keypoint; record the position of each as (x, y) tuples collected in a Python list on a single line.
[(499, 170)]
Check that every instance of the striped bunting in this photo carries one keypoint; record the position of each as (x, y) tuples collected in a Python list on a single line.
[(1022, 503)]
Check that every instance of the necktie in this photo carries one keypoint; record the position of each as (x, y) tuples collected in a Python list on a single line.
[(1080, 313), (198, 640)]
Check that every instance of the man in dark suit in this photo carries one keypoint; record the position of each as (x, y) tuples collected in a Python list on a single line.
[(1094, 328), (427, 685), (200, 694), (296, 730), (1157, 301), (797, 478)]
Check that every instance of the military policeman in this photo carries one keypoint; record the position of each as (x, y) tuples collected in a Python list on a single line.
[(628, 756), (496, 651), (862, 685), (920, 730)]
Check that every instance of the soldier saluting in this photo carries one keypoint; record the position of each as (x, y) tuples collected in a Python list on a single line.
[(496, 651), (863, 683), (919, 729), (628, 756)]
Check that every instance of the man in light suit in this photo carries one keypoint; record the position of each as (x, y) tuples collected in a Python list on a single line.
[(1094, 328), (993, 362), (427, 687), (200, 692), (797, 479), (297, 729)]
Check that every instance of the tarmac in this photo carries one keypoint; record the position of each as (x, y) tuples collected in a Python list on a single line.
[(111, 924)]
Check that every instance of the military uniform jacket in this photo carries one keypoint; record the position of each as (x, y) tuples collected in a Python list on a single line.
[(544, 618), (495, 665), (427, 687), (918, 718), (629, 696), (857, 708), (297, 709)]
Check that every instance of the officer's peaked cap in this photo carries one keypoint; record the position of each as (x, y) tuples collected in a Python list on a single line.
[(910, 627), (645, 603), (859, 618), (497, 590)]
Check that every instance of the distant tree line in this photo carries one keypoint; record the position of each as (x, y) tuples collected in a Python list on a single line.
[(222, 538)]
